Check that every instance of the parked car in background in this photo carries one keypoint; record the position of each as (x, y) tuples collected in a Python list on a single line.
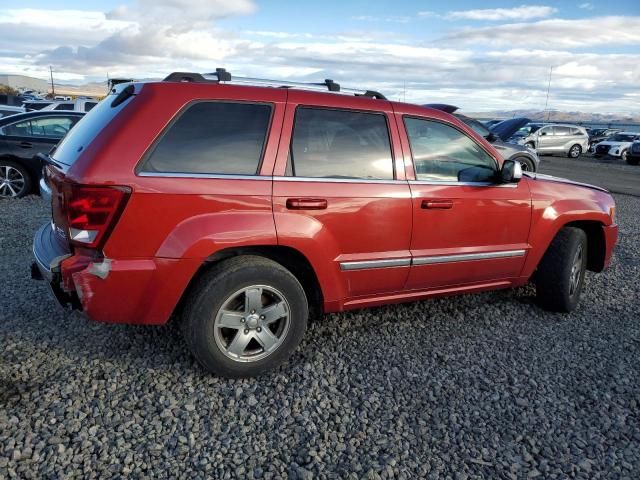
[(525, 131), (79, 105), (497, 135), (491, 123), (242, 208), (569, 140), (22, 137), (8, 110), (633, 156), (597, 135), (617, 145), (32, 105)]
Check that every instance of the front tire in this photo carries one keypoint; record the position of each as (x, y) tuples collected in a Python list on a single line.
[(560, 275), (575, 151), (526, 164), (245, 316), (625, 155)]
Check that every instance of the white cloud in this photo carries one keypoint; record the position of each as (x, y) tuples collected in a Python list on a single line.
[(586, 6), (523, 12), (473, 71), (557, 33), (388, 19)]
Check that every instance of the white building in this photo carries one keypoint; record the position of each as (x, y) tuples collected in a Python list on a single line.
[(24, 83)]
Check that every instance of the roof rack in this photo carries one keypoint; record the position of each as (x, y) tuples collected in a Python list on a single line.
[(222, 76)]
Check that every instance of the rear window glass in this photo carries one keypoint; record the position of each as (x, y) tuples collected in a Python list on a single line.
[(340, 144), (83, 133), (212, 138)]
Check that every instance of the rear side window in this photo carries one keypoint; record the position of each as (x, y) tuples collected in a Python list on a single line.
[(442, 153), (340, 144), (64, 106), (561, 131), (213, 138)]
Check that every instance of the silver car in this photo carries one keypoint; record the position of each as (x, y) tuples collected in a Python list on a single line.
[(569, 140)]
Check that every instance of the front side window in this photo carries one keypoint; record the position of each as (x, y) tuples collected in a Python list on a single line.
[(442, 153), (64, 106), (340, 144), (213, 138), (546, 131)]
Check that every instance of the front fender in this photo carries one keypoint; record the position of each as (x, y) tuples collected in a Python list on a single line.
[(556, 205)]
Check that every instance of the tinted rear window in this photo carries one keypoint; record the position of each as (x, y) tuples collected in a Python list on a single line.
[(212, 138), (340, 144), (83, 133)]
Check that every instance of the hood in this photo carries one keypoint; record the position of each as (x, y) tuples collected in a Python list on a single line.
[(441, 106), (505, 129), (550, 178)]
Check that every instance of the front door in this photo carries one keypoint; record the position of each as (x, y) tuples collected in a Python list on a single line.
[(337, 196), (467, 228)]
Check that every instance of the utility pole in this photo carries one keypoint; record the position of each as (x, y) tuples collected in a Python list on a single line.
[(53, 89), (546, 103)]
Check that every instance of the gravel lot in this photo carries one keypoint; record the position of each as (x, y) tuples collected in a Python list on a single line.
[(479, 386)]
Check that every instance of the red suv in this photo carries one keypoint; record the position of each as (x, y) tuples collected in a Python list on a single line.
[(245, 206)]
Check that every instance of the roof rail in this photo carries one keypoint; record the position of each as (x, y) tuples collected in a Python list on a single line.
[(221, 75)]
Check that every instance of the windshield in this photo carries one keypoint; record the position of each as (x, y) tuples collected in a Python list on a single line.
[(475, 125), (621, 137), (80, 136)]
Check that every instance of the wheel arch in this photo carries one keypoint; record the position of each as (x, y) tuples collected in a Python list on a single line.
[(596, 244), (290, 258)]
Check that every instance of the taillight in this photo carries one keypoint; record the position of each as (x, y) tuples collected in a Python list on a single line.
[(92, 212)]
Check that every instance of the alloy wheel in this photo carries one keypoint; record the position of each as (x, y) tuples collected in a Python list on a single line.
[(575, 151), (576, 271), (12, 181), (252, 323)]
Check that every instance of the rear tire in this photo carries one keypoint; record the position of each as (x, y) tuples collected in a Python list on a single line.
[(560, 274), (15, 181), (575, 151), (245, 316)]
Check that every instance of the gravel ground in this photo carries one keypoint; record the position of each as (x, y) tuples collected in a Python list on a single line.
[(479, 386)]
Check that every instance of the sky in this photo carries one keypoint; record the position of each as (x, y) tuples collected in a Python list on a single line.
[(480, 56)]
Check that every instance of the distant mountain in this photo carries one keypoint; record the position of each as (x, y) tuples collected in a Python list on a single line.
[(557, 116)]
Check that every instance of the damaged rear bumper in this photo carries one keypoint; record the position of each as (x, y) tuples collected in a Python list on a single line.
[(143, 291), (48, 253)]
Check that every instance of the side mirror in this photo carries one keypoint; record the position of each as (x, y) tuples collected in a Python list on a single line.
[(543, 133), (511, 172)]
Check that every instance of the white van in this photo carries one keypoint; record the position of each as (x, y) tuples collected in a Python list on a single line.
[(569, 140)]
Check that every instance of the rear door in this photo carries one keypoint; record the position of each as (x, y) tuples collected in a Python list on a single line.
[(562, 138), (338, 194)]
